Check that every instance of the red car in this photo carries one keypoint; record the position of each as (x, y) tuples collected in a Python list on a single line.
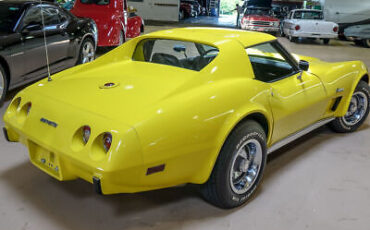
[(260, 19), (115, 21)]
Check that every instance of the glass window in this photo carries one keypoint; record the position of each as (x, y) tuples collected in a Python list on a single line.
[(268, 63), (9, 14), (188, 55), (33, 16), (51, 15), (305, 14), (97, 2)]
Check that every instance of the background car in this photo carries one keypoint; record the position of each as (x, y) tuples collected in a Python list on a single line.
[(70, 41), (115, 20), (308, 24), (186, 10), (202, 106), (260, 19), (360, 34)]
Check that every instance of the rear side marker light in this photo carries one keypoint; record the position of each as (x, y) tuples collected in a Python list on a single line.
[(155, 169)]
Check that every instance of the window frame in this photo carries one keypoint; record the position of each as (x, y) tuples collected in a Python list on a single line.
[(284, 53)]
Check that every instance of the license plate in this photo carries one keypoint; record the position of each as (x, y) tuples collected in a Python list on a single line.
[(46, 160)]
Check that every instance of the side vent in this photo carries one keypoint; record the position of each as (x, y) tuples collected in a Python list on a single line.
[(336, 103)]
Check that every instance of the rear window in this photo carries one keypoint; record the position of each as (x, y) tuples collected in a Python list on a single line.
[(183, 54), (309, 15), (97, 2)]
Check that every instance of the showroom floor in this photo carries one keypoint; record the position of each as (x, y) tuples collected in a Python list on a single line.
[(318, 182)]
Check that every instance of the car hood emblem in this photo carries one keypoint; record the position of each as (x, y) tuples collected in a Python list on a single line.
[(48, 122)]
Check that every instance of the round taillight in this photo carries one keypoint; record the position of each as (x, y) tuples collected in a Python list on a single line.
[(335, 29), (107, 141), (297, 27), (86, 132)]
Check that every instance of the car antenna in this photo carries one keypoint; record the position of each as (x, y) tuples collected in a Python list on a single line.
[(45, 43)]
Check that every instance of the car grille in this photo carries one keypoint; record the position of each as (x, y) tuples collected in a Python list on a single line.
[(261, 23)]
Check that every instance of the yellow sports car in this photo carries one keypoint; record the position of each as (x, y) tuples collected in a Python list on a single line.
[(189, 105)]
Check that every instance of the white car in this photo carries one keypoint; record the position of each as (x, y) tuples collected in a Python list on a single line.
[(308, 24)]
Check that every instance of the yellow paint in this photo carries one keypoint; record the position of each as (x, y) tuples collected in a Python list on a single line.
[(160, 114)]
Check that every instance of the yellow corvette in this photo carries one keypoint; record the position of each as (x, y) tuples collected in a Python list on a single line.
[(190, 105)]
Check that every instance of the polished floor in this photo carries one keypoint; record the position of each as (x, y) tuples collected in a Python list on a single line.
[(320, 181)]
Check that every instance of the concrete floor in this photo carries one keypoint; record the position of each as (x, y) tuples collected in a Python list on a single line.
[(318, 182)]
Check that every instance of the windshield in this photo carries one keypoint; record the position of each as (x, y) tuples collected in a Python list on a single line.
[(97, 2), (257, 12), (9, 14), (183, 54), (316, 15)]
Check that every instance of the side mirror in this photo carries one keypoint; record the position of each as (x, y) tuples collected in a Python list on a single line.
[(304, 65), (33, 26), (179, 48)]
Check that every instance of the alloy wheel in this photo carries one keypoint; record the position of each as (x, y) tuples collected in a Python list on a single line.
[(88, 52)]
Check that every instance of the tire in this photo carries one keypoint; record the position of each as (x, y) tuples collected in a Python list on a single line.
[(3, 85), (87, 51), (326, 41), (354, 116), (181, 14), (292, 39), (366, 42), (358, 42), (220, 189)]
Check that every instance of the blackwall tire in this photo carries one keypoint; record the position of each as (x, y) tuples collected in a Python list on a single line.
[(326, 41), (235, 177), (87, 51), (3, 85), (355, 116), (366, 43)]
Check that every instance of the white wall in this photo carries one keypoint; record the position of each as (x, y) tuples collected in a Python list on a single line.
[(158, 10)]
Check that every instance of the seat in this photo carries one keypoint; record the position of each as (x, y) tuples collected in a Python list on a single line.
[(166, 59)]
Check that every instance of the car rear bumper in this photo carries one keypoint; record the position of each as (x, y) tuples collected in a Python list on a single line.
[(313, 35)]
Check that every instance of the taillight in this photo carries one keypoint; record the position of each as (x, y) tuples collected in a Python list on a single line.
[(335, 29), (107, 141), (297, 27), (86, 132)]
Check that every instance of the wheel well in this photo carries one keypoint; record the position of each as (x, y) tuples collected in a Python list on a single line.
[(365, 78), (259, 118), (5, 65)]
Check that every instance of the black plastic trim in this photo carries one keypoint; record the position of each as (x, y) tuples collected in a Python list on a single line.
[(97, 185), (6, 135), (336, 103)]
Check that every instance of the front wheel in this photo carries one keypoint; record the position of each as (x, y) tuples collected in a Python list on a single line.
[(357, 112), (239, 167), (3, 85), (87, 51), (366, 43), (326, 41)]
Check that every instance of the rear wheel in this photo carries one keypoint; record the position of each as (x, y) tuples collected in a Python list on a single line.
[(366, 43), (357, 112), (239, 167), (3, 85), (326, 41), (87, 51), (181, 14), (292, 39)]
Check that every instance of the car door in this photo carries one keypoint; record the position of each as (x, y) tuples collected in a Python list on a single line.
[(133, 25), (297, 99)]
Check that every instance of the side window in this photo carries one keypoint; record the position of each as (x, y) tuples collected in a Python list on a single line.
[(268, 63), (62, 17), (183, 54), (33, 16), (51, 15)]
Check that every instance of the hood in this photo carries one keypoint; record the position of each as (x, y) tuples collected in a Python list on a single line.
[(255, 17), (126, 91)]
